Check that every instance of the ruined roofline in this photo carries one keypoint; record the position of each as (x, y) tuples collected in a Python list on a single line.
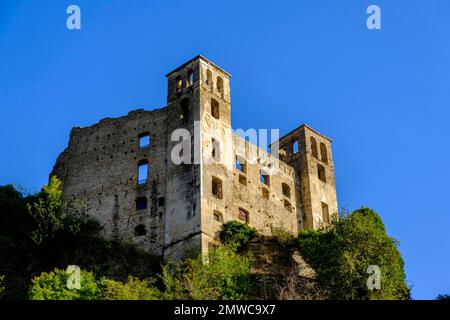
[(286, 136), (195, 58), (131, 113)]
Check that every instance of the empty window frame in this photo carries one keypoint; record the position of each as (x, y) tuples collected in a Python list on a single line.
[(142, 172), (178, 84), (215, 110), (321, 173), (219, 85), (217, 216), (241, 165), (243, 215), (208, 79), (144, 140), (215, 149), (140, 230), (264, 178), (323, 152), (141, 203), (217, 187), (190, 78), (325, 213), (286, 190), (161, 202), (295, 147), (184, 109), (314, 148)]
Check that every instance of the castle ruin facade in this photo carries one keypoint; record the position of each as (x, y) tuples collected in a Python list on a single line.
[(128, 173)]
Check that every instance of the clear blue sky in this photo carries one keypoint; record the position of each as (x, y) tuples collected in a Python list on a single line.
[(383, 96)]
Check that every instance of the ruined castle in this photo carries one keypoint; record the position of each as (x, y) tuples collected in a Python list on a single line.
[(124, 173)]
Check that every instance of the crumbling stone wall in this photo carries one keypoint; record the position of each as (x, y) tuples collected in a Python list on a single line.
[(183, 213)]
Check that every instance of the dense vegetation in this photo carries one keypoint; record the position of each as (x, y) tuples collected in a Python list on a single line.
[(40, 236), (342, 253)]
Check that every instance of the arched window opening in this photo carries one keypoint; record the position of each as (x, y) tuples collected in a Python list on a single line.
[(265, 193), (178, 84), (208, 79), (286, 190), (140, 230), (314, 148), (215, 110), (295, 147), (141, 203), (323, 152), (220, 85), (321, 173), (142, 172), (190, 77)]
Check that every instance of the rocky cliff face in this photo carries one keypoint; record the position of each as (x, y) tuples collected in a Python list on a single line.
[(281, 273)]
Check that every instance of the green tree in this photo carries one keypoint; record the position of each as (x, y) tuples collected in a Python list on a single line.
[(221, 274), (54, 286), (132, 289), (47, 211), (443, 297), (342, 254), (2, 288), (237, 234)]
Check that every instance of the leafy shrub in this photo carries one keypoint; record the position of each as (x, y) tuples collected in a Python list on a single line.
[(237, 234), (133, 289), (53, 286), (342, 254), (443, 297), (283, 237), (222, 274)]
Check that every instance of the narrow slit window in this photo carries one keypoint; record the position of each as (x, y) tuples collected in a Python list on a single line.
[(143, 172), (179, 84), (215, 151), (184, 109), (190, 77), (144, 140), (208, 79), (220, 85), (295, 147), (325, 213), (323, 152), (314, 148)]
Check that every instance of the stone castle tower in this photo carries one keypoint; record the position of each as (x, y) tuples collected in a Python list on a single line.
[(168, 179)]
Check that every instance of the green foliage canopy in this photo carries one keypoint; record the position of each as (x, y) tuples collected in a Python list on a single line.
[(237, 234), (342, 253)]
